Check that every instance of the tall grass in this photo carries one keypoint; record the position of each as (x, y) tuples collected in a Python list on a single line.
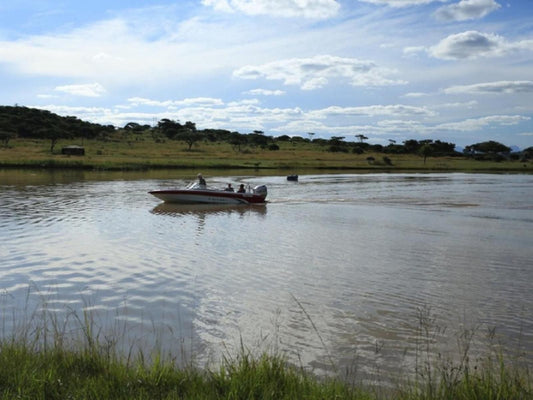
[(44, 356)]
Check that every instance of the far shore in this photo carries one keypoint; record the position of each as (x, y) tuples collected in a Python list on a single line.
[(292, 158)]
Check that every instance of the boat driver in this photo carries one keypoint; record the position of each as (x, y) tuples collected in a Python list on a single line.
[(201, 181)]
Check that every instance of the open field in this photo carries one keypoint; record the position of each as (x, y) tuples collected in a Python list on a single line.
[(144, 153)]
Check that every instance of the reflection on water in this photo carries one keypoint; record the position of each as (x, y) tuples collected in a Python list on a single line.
[(334, 267), (177, 210), (203, 211)]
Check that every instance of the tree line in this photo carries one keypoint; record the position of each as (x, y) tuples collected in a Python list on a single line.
[(24, 122)]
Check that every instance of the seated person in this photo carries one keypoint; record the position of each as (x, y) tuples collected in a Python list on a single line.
[(201, 181), (241, 189), (229, 188)]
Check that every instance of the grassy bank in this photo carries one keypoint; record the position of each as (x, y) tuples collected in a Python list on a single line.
[(45, 360), (144, 153), (88, 374), (92, 372)]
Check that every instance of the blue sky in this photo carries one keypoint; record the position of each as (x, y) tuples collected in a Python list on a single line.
[(453, 70)]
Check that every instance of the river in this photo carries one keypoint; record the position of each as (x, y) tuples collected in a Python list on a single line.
[(338, 272)]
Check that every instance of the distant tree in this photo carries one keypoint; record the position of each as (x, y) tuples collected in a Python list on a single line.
[(527, 153), (490, 147), (393, 148), (169, 128), (54, 134), (337, 144), (361, 138), (216, 135), (320, 141), (425, 150), (337, 140), (188, 134), (257, 138), (411, 146), (5, 137), (135, 127), (237, 141), (297, 139), (443, 148), (378, 148)]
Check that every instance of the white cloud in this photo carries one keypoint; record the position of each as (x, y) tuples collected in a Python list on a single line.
[(463, 105), (86, 90), (415, 94), (248, 115), (474, 124), (218, 5), (315, 9), (470, 44), (401, 3), (301, 126), (400, 126), (466, 9), (265, 92), (373, 111), (316, 72), (119, 52), (412, 51), (474, 44), (493, 87), (137, 101), (205, 112)]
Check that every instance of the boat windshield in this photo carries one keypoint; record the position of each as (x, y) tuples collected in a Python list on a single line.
[(197, 186)]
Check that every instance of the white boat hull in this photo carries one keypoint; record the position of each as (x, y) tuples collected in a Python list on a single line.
[(211, 196)]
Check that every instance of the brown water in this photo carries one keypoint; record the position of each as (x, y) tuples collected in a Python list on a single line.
[(334, 270)]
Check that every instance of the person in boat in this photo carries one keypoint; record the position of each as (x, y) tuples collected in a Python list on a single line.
[(201, 181), (241, 189), (229, 188)]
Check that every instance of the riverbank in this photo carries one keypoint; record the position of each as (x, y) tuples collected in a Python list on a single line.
[(46, 357), (31, 370), (146, 154)]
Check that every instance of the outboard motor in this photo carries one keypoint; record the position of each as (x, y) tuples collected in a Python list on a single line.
[(260, 190)]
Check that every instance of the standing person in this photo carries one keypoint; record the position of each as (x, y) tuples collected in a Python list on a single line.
[(201, 181)]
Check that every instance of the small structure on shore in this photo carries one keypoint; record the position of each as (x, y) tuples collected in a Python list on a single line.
[(73, 150)]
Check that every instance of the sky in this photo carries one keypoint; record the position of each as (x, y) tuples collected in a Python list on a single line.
[(459, 71)]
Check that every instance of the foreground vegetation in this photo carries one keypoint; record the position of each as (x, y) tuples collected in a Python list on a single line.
[(37, 139), (89, 374), (46, 358)]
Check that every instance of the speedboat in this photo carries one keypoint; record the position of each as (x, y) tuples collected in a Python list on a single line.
[(201, 194)]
